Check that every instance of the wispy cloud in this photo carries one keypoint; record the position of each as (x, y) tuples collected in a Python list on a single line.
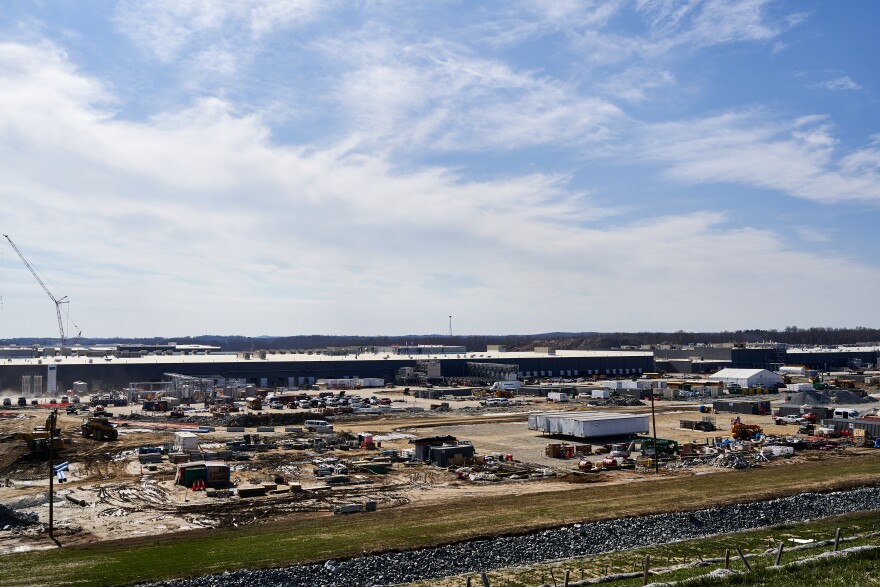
[(797, 157), (166, 28), (840, 83), (440, 96), (812, 235)]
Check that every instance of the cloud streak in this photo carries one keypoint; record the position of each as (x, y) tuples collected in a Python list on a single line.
[(797, 157)]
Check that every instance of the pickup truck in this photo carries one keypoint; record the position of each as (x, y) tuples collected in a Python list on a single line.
[(791, 419)]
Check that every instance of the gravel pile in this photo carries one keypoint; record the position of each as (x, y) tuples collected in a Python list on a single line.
[(561, 543), (9, 518)]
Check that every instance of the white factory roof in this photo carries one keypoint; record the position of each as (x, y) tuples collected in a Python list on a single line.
[(835, 349), (590, 416), (736, 373), (279, 357)]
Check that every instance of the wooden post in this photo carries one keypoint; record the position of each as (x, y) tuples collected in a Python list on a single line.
[(485, 579), (779, 554), (726, 558), (645, 567), (552, 576), (565, 579), (468, 583), (836, 539), (742, 557)]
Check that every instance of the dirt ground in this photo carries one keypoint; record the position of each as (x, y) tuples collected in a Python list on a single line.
[(124, 498)]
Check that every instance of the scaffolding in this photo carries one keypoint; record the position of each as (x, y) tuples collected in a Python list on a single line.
[(489, 372), (183, 387)]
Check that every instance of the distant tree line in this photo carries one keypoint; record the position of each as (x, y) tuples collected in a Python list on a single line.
[(477, 343)]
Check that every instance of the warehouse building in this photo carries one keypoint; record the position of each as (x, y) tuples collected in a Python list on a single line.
[(833, 358), (747, 378), (290, 369)]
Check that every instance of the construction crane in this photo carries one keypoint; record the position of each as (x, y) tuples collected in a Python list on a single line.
[(56, 301)]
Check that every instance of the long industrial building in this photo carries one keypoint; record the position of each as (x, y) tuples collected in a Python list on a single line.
[(293, 368)]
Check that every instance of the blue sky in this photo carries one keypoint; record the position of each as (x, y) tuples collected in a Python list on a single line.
[(253, 167)]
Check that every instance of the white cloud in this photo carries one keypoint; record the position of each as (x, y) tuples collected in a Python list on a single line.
[(438, 95), (840, 83), (812, 235), (637, 84), (165, 28), (197, 221), (795, 157)]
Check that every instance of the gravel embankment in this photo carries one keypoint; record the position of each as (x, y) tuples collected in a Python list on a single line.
[(561, 543)]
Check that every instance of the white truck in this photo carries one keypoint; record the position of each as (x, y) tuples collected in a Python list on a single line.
[(557, 396), (505, 386)]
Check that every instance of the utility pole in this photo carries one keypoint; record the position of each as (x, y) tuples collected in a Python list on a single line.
[(450, 326), (654, 426), (53, 416)]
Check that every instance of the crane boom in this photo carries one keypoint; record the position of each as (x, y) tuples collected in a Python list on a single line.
[(56, 301)]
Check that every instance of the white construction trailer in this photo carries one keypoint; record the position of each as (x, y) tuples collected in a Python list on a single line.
[(589, 424)]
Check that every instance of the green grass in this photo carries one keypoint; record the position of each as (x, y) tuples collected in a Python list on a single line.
[(313, 538)]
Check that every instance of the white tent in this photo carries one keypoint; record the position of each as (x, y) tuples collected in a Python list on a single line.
[(747, 377)]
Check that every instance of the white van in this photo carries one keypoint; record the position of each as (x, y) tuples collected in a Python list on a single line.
[(845, 413), (318, 426)]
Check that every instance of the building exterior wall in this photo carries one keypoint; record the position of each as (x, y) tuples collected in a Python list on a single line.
[(117, 374)]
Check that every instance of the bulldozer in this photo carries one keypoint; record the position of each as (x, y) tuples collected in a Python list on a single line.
[(99, 429)]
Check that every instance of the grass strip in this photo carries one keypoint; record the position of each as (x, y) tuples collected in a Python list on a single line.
[(314, 538)]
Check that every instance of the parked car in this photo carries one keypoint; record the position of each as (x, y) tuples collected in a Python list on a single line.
[(7, 402), (276, 405), (790, 419)]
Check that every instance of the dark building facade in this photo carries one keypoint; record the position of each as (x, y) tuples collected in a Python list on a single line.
[(276, 372)]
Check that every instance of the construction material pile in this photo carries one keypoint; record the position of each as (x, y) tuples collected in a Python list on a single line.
[(730, 460), (844, 397), (9, 518)]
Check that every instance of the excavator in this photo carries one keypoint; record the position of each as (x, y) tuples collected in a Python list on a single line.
[(37, 442)]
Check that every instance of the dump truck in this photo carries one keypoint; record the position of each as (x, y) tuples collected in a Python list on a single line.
[(99, 429)]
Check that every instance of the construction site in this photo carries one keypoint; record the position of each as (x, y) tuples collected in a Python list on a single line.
[(146, 465)]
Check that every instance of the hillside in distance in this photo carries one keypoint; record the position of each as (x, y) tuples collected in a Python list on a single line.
[(793, 335)]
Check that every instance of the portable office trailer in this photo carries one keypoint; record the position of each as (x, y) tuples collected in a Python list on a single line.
[(442, 456), (186, 442), (822, 412), (754, 407), (423, 445), (213, 473), (871, 427), (589, 424)]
